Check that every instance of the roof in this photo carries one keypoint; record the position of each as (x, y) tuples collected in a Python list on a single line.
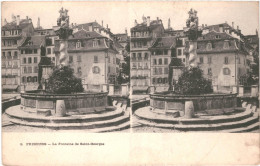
[(85, 34), (164, 42), (86, 25), (252, 39), (217, 41), (33, 42), (213, 35), (45, 31), (123, 37), (143, 26), (13, 25), (216, 27)]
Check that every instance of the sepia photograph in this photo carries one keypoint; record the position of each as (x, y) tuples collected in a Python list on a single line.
[(130, 82), (59, 74)]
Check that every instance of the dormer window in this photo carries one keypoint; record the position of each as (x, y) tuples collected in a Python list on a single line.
[(209, 46), (95, 43), (78, 44), (217, 37), (226, 44)]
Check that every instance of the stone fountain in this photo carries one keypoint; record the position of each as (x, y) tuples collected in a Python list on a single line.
[(78, 110)]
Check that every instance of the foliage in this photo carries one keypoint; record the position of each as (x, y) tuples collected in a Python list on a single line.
[(192, 82), (62, 81), (124, 75), (174, 62)]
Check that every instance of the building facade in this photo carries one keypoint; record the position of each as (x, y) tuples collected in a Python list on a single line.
[(13, 35), (161, 52), (92, 57), (30, 51), (142, 37)]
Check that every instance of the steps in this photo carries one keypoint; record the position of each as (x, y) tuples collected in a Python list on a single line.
[(116, 120), (242, 120)]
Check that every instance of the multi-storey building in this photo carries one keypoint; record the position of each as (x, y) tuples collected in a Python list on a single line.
[(162, 51), (13, 34), (30, 51), (142, 37), (92, 56), (222, 58), (50, 40)]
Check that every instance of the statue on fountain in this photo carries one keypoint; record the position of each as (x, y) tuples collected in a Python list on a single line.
[(63, 31), (193, 31)]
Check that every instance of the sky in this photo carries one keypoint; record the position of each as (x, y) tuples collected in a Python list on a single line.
[(121, 15)]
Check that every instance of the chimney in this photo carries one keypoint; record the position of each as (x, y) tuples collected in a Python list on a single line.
[(102, 23), (148, 21), (107, 26), (126, 31), (202, 25), (256, 32), (5, 22), (38, 23), (30, 20), (233, 25), (169, 23), (135, 23), (237, 27), (226, 22), (18, 20), (160, 21), (13, 18), (157, 18), (205, 25)]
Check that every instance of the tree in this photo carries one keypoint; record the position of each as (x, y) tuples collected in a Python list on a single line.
[(192, 82), (62, 81)]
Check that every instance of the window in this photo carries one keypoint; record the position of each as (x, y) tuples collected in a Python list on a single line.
[(9, 56), (179, 52), (24, 79), (15, 64), (24, 70), (160, 61), (29, 60), (96, 59), (209, 60), (166, 70), (48, 50), (139, 56), (79, 70), (78, 44), (155, 61), (165, 52), (35, 69), (160, 70), (217, 36), (95, 43), (238, 60), (79, 58), (133, 56), (134, 66), (154, 80), (35, 60), (166, 61), (29, 70), (226, 44), (146, 56), (28, 79), (201, 59), (209, 46), (70, 59), (183, 60), (15, 55), (35, 51), (35, 79), (226, 71), (146, 66), (154, 71), (239, 71), (139, 65), (226, 60), (24, 60), (96, 70), (3, 55), (209, 71)]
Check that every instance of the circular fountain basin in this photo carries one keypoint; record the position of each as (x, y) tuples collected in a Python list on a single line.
[(216, 102), (39, 100)]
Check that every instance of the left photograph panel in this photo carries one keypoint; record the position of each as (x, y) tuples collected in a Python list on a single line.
[(67, 69)]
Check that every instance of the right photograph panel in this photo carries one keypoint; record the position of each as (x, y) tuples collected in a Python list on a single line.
[(194, 67)]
